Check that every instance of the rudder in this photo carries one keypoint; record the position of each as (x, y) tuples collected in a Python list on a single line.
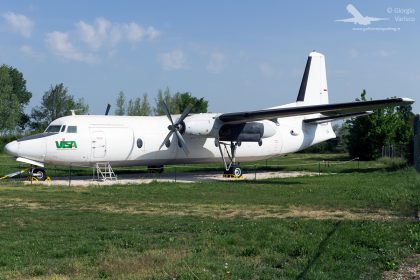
[(313, 88)]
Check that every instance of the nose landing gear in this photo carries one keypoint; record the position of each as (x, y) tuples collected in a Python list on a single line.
[(38, 174)]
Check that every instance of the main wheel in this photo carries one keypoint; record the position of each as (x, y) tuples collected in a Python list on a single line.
[(237, 172), (234, 170), (39, 173)]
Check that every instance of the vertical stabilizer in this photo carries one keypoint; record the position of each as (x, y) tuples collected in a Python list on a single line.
[(313, 88)]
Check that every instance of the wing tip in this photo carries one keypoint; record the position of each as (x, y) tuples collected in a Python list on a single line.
[(407, 100)]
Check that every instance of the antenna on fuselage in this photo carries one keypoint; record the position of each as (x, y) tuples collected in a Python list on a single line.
[(107, 109)]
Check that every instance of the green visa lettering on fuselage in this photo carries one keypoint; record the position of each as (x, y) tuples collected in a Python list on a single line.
[(66, 144)]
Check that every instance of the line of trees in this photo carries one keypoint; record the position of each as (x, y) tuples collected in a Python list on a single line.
[(176, 104), (365, 136)]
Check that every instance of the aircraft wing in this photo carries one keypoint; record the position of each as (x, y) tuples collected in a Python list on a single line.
[(332, 111)]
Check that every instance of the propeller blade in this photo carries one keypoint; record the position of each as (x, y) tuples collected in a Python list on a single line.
[(184, 114), (181, 142), (165, 109), (107, 109), (166, 139)]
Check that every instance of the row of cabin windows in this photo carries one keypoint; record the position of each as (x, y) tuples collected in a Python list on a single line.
[(61, 128)]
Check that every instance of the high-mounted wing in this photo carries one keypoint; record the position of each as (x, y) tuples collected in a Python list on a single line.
[(334, 111)]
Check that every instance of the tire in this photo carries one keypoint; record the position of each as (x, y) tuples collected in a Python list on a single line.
[(39, 173), (237, 172)]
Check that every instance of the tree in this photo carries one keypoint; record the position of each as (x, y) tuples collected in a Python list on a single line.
[(178, 102), (134, 107), (15, 97), (167, 97), (9, 102), (184, 99), (56, 103), (23, 95), (145, 109), (139, 107), (368, 134), (120, 110)]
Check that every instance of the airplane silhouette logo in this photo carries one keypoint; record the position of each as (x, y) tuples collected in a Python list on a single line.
[(358, 18)]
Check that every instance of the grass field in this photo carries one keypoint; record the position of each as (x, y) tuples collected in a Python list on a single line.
[(350, 225)]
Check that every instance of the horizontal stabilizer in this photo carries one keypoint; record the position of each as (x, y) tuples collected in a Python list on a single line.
[(328, 110)]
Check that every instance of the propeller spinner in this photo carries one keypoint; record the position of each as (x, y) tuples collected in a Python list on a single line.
[(176, 127)]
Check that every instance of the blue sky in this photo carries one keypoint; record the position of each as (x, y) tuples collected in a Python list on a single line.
[(239, 55)]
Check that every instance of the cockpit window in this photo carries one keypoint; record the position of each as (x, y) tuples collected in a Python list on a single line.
[(53, 129), (72, 129), (63, 128)]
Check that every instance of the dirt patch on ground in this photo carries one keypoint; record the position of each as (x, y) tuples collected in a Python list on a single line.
[(18, 202), (410, 269), (118, 263), (246, 211), (217, 210)]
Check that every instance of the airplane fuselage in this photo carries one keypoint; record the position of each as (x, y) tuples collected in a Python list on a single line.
[(84, 140)]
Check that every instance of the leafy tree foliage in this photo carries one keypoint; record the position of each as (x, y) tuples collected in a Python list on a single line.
[(367, 134), (14, 97), (138, 106), (120, 110), (178, 102), (56, 103)]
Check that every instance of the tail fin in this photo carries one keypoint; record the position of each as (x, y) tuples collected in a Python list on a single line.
[(313, 88)]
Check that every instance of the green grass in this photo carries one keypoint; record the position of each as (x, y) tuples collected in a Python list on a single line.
[(325, 163), (342, 226)]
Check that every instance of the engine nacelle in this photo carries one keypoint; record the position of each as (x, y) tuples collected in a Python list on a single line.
[(200, 125), (247, 132)]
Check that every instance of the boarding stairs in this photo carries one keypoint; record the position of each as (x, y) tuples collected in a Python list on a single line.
[(104, 172)]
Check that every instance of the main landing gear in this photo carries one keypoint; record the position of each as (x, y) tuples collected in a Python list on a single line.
[(232, 169)]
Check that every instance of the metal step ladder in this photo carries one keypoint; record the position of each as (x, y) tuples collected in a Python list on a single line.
[(104, 172)]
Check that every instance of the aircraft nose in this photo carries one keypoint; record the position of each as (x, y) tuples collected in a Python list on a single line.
[(12, 148)]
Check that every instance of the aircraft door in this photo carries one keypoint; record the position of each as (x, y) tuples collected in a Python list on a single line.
[(98, 144)]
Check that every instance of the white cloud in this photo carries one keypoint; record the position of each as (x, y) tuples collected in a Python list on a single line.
[(28, 51), (61, 46), (172, 60), (215, 64), (152, 33), (19, 23), (384, 53), (93, 35), (103, 32)]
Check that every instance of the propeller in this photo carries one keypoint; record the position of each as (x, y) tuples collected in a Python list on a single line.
[(107, 109), (176, 127)]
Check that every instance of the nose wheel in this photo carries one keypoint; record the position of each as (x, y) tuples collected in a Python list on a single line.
[(39, 173)]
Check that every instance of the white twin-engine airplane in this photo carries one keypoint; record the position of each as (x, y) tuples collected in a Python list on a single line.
[(84, 140)]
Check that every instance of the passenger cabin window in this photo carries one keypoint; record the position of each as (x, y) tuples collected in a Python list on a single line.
[(53, 129), (72, 129)]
